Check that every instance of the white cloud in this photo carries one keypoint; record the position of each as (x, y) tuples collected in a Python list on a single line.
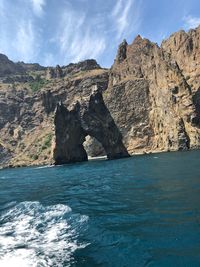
[(191, 22), (25, 42), (86, 46), (38, 6), (77, 37), (19, 35), (74, 33), (126, 17)]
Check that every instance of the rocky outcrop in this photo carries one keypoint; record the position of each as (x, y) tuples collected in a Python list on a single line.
[(30, 66), (52, 73), (151, 101), (184, 47), (7, 67), (85, 65), (69, 136), (90, 117), (121, 55), (72, 69), (26, 116)]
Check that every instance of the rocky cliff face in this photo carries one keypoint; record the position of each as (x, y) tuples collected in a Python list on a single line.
[(7, 67), (148, 101), (27, 111), (157, 111), (184, 48)]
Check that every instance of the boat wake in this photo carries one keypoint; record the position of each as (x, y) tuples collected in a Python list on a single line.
[(32, 235)]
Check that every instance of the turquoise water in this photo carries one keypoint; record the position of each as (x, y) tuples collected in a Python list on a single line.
[(140, 211)]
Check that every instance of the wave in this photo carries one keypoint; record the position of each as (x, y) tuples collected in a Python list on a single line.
[(44, 167), (33, 235)]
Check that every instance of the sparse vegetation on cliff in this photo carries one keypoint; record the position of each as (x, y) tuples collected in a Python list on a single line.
[(38, 84)]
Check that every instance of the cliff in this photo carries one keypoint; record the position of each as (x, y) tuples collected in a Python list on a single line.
[(148, 101), (151, 100)]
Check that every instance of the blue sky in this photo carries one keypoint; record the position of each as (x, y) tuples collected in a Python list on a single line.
[(54, 32)]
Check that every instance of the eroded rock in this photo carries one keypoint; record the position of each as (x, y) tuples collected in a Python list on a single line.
[(90, 117), (69, 136)]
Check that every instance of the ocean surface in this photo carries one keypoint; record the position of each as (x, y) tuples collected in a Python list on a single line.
[(140, 211)]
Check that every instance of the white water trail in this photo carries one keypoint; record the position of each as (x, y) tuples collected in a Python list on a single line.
[(32, 235)]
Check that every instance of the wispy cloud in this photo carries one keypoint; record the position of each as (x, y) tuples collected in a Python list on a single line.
[(77, 37), (20, 38), (77, 30), (38, 6), (126, 15), (25, 42), (191, 22)]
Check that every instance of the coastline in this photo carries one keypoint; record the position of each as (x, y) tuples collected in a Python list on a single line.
[(50, 164)]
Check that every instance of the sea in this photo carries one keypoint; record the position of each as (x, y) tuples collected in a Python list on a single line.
[(139, 211)]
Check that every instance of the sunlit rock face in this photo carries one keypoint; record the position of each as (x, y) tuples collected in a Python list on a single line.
[(184, 47)]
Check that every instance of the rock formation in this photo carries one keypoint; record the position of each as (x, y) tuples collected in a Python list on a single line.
[(149, 101), (7, 67), (91, 117), (69, 136), (53, 73), (184, 48)]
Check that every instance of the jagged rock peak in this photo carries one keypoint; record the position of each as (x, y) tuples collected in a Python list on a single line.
[(155, 83), (138, 38), (121, 54), (184, 47)]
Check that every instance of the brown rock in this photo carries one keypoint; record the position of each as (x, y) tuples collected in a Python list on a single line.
[(148, 97)]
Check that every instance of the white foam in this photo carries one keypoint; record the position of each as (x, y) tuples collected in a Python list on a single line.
[(44, 167), (34, 235)]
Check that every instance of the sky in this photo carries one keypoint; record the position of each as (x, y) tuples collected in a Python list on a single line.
[(52, 32)]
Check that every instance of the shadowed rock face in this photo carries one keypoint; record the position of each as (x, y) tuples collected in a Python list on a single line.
[(69, 136), (7, 67), (97, 122), (91, 117), (5, 155)]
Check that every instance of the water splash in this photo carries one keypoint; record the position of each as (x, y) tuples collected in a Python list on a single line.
[(38, 236)]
